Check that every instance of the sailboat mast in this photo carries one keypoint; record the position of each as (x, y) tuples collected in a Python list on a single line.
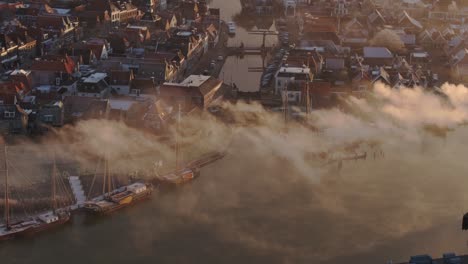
[(7, 203), (104, 175), (108, 177), (177, 139), (285, 105), (54, 187), (307, 98), (308, 80)]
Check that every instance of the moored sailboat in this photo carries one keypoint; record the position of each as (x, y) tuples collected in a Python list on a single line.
[(35, 223), (51, 219), (10, 230), (180, 175), (114, 199)]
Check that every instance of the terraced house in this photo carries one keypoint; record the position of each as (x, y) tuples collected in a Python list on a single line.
[(114, 11)]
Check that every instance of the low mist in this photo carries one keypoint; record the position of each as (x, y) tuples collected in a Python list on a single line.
[(284, 194)]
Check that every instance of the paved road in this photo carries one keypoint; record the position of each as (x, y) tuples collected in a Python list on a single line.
[(212, 55)]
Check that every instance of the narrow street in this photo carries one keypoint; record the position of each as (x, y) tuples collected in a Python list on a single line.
[(216, 55)]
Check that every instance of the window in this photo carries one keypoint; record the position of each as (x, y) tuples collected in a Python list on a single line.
[(279, 83), (9, 114), (136, 91), (48, 118)]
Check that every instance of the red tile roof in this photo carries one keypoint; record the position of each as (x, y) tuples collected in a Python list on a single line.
[(321, 88), (55, 64), (48, 21)]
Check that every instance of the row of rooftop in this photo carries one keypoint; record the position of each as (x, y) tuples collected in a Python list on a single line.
[(346, 46), (127, 60)]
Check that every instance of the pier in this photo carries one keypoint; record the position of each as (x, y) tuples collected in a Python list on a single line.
[(78, 192), (206, 160)]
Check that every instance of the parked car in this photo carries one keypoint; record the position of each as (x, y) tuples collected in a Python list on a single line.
[(451, 258), (231, 28), (420, 259)]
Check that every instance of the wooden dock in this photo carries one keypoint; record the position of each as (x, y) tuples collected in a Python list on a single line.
[(205, 160)]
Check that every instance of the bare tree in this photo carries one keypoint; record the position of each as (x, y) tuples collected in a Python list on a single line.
[(389, 39)]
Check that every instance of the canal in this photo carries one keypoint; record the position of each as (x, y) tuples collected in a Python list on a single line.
[(244, 71)]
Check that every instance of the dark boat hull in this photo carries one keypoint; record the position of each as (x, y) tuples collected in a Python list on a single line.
[(9, 236), (108, 210), (17, 233), (465, 222), (44, 227)]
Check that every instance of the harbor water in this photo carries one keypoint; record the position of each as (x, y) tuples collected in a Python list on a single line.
[(255, 208)]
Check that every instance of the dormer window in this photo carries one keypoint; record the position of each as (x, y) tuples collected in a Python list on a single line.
[(8, 114)]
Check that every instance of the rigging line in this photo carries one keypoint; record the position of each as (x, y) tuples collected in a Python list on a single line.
[(21, 198), (21, 174), (104, 173), (62, 190), (94, 179), (67, 187), (112, 183), (31, 183)]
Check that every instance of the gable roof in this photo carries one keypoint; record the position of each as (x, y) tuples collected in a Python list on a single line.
[(212, 31), (354, 22), (426, 35), (460, 56), (377, 52), (406, 17), (382, 76), (374, 16), (361, 75)]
